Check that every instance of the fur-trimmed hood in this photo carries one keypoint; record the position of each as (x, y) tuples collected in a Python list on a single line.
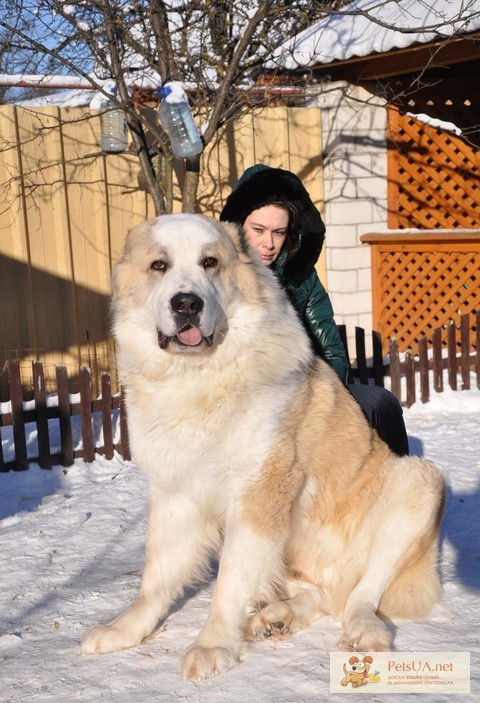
[(261, 185)]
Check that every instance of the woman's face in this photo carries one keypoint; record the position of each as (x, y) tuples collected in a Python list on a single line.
[(266, 231)]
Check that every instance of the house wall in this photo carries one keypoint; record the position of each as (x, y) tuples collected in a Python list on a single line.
[(355, 193)]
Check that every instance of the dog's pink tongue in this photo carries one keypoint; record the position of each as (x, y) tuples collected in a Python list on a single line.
[(190, 336)]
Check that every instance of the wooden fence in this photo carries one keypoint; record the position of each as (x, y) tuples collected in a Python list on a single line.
[(102, 427), (421, 281), (416, 372), (63, 412), (433, 176), (65, 208)]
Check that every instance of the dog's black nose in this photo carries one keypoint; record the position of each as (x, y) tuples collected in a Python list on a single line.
[(186, 304)]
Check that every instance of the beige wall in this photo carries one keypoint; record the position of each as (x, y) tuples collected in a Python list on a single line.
[(65, 209)]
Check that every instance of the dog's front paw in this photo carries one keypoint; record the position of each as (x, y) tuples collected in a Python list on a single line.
[(102, 639), (201, 663)]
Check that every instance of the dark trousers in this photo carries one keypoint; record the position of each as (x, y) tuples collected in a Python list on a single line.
[(384, 413)]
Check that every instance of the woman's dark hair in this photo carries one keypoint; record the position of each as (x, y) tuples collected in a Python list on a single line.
[(293, 219)]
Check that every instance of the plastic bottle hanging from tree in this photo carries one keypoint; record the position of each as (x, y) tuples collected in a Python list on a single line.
[(176, 119), (113, 128)]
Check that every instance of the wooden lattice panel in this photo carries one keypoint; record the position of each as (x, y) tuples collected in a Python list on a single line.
[(423, 281), (434, 177)]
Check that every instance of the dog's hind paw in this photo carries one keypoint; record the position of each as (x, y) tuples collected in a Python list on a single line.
[(368, 635), (201, 663), (365, 645), (345, 645), (273, 621), (273, 630)]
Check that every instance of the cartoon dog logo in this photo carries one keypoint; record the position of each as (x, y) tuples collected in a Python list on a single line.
[(358, 675)]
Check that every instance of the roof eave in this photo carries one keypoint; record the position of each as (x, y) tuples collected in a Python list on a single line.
[(412, 59)]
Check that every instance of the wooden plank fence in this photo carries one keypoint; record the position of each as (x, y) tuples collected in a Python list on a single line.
[(450, 353), (65, 208), (410, 374), (65, 408)]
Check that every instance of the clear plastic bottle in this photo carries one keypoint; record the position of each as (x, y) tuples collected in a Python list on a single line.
[(176, 119), (113, 128)]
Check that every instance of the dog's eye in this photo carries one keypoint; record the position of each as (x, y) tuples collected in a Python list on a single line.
[(158, 265), (210, 262)]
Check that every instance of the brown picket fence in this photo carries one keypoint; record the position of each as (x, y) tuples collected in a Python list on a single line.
[(447, 354), (89, 412)]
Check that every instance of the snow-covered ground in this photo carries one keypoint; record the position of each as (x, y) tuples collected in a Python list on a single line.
[(71, 553)]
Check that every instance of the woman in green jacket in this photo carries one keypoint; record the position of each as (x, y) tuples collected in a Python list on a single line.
[(285, 228)]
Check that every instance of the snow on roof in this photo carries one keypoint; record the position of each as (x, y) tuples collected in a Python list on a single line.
[(70, 91), (343, 36), (77, 91), (63, 98)]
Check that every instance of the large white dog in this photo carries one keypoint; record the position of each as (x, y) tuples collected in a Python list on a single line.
[(253, 445)]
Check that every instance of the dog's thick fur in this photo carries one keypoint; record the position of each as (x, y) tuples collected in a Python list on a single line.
[(252, 444)]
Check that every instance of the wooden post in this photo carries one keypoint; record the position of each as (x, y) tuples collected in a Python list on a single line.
[(66, 439), (465, 350), (16, 399), (395, 370), (107, 415), (85, 382), (124, 443), (423, 366), (377, 346), (437, 360), (41, 413), (452, 355), (410, 378), (361, 355)]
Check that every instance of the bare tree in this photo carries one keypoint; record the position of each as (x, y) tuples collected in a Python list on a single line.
[(13, 56), (215, 47)]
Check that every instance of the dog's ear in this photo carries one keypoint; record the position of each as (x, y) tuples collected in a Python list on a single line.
[(353, 660), (124, 272), (237, 235), (367, 660), (123, 275), (136, 234)]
